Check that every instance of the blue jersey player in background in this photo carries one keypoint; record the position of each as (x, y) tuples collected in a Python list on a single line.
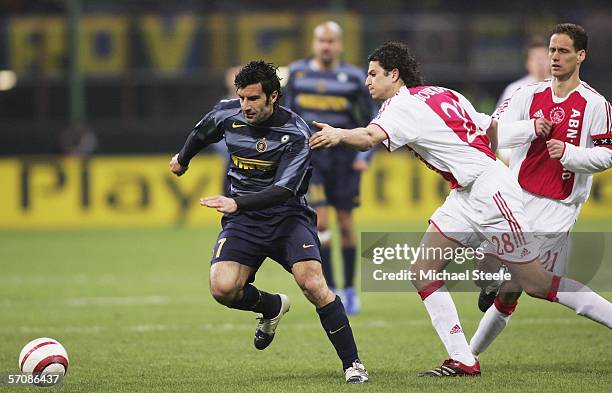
[(266, 213), (325, 89)]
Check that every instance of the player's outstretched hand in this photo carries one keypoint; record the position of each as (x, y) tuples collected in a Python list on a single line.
[(176, 167), (327, 137), (543, 127), (221, 203), (556, 148)]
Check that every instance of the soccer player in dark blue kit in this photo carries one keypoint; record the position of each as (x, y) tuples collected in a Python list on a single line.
[(266, 213), (325, 89)]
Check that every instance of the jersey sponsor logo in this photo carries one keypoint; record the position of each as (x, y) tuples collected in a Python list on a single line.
[(321, 102), (538, 114), (573, 126), (557, 114), (261, 145), (238, 125), (251, 163)]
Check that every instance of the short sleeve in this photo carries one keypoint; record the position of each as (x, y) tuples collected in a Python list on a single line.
[(398, 121)]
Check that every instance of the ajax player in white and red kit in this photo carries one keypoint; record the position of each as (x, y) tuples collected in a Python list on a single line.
[(446, 132), (554, 170)]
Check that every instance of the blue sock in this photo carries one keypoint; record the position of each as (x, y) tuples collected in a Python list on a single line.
[(338, 330), (326, 265), (258, 301), (348, 258)]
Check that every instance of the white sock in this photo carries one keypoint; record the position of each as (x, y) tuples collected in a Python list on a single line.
[(445, 320), (491, 325), (584, 301)]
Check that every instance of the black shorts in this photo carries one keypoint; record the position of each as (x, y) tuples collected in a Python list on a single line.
[(287, 240), (334, 182)]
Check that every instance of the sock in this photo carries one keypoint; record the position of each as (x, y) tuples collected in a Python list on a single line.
[(491, 325), (338, 330), (258, 301), (580, 298), (444, 318), (348, 259), (328, 271)]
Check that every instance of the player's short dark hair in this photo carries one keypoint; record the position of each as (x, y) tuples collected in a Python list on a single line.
[(575, 32), (258, 71), (392, 55)]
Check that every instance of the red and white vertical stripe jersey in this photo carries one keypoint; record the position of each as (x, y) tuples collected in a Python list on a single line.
[(443, 129), (582, 119)]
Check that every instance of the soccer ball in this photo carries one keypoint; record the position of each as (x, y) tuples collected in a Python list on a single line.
[(44, 356)]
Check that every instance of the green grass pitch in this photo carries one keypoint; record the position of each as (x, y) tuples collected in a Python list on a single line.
[(133, 310)]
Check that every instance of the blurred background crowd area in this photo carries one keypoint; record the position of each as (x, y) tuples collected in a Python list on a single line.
[(133, 76)]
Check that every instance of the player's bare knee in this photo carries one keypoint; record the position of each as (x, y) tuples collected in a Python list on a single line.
[(313, 286), (224, 291)]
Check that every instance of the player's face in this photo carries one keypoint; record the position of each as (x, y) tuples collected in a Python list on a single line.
[(255, 106), (327, 45), (564, 59), (537, 63), (380, 82)]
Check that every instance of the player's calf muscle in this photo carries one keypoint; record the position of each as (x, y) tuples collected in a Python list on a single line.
[(534, 280)]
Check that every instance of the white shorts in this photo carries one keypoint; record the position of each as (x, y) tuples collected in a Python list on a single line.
[(551, 221), (554, 252), (489, 211)]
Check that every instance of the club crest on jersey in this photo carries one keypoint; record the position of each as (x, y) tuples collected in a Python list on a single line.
[(342, 77), (261, 145), (557, 114)]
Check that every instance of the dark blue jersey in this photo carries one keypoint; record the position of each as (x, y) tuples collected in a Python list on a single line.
[(337, 97), (273, 153)]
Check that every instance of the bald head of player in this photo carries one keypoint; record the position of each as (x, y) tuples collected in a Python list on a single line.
[(390, 67), (327, 45)]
